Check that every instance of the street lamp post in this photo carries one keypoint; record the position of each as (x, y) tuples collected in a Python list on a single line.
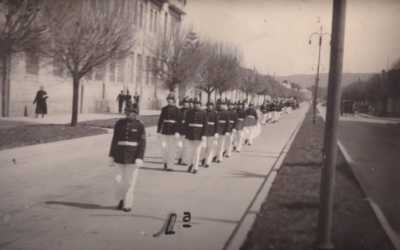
[(320, 35)]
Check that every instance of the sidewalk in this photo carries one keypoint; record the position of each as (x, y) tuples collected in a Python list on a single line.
[(60, 195), (66, 118)]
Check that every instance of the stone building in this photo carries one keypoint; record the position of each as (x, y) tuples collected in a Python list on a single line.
[(99, 89)]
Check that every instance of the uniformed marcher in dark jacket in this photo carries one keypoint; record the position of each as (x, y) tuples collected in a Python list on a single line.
[(223, 116), (211, 134), (251, 122), (167, 131), (120, 100), (195, 130), (128, 98), (233, 126), (241, 114), (264, 112), (273, 108), (127, 151), (182, 143)]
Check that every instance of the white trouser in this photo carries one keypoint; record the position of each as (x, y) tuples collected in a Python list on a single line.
[(194, 155), (183, 151), (238, 140), (289, 110), (125, 180), (274, 116), (264, 118), (210, 149), (250, 134), (220, 148), (228, 144), (168, 147)]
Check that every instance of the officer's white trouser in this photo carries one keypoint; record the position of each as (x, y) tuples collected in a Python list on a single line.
[(274, 116), (264, 118), (220, 148), (210, 149), (168, 147), (238, 140), (289, 110), (194, 155), (228, 143), (125, 180), (183, 150), (250, 134)]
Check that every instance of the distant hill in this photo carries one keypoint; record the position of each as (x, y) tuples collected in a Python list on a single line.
[(305, 80)]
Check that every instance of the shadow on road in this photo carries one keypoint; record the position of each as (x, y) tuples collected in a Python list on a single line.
[(80, 205), (244, 174)]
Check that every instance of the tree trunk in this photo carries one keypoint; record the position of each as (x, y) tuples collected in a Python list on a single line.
[(75, 99), (5, 70)]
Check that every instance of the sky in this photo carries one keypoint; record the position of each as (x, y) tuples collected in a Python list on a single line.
[(273, 35)]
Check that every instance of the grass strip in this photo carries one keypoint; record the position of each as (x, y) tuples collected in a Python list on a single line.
[(37, 134), (148, 121), (288, 216)]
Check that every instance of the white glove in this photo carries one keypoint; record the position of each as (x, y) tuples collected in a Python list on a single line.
[(233, 130), (216, 136), (158, 135), (177, 135), (204, 144), (203, 139), (111, 161), (180, 144), (138, 163), (226, 134)]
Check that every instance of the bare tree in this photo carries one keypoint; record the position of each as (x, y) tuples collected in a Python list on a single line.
[(94, 33), (20, 31)]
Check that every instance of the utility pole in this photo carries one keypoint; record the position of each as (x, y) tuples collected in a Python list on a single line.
[(332, 119)]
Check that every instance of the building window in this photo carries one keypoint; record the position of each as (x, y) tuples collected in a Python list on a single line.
[(151, 21), (148, 70), (135, 18), (58, 68), (131, 65), (120, 70), (32, 63), (154, 73), (155, 21), (98, 73), (141, 16), (139, 69), (112, 71), (165, 23)]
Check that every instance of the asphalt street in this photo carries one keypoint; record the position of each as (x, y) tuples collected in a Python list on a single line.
[(60, 195)]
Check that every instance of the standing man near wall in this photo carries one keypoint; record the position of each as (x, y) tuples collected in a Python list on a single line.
[(40, 100), (127, 151), (167, 131), (120, 100), (136, 98), (195, 130), (223, 116), (128, 99)]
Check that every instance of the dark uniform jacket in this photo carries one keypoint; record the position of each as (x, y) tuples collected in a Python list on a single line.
[(233, 120), (169, 121), (195, 124), (129, 141), (273, 107), (213, 123), (121, 98), (263, 108), (223, 116), (251, 117), (182, 127), (241, 114), (128, 99)]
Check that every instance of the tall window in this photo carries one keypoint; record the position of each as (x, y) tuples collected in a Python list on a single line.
[(120, 70), (165, 23), (32, 63), (112, 71), (135, 18), (141, 16), (58, 68), (151, 21), (148, 66), (131, 60), (154, 74), (155, 21), (138, 69), (98, 73)]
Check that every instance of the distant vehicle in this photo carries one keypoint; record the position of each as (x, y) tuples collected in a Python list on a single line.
[(347, 108), (323, 104)]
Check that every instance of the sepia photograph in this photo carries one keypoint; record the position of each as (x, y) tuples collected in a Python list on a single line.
[(200, 124)]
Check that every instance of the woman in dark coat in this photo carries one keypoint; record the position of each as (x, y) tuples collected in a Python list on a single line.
[(40, 100)]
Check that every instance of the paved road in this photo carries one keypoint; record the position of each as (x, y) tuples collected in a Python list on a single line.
[(374, 147), (60, 195)]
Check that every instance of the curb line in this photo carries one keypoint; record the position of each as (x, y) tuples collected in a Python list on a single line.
[(239, 234)]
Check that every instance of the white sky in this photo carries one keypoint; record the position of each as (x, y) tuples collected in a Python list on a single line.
[(274, 34)]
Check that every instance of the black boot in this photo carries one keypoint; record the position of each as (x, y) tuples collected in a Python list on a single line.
[(245, 142), (165, 165), (120, 205), (207, 166), (180, 161), (190, 168), (223, 154), (214, 159), (203, 162)]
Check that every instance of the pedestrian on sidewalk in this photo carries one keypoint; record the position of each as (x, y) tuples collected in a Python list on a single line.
[(240, 127), (40, 100), (167, 131), (252, 120), (212, 134), (127, 151), (195, 130), (223, 116), (120, 100)]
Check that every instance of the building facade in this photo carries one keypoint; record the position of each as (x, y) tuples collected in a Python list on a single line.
[(99, 88)]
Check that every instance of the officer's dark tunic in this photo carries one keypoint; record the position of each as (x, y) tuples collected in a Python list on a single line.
[(128, 100), (182, 127), (213, 123), (129, 141), (251, 117), (233, 120), (40, 100), (241, 114), (195, 124), (263, 108), (223, 116), (169, 121)]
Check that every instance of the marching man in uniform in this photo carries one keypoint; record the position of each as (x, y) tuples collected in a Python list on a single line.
[(195, 130), (127, 151), (212, 133), (252, 119), (167, 130), (264, 114), (241, 113), (182, 152), (233, 125), (223, 117), (120, 100)]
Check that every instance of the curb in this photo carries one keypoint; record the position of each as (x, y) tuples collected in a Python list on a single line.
[(239, 234)]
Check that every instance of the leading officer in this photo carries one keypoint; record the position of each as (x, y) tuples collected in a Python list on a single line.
[(127, 151)]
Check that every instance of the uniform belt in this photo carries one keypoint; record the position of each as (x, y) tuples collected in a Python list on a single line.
[(240, 119), (127, 143), (231, 121), (195, 125), (170, 121), (183, 121), (211, 123), (251, 116), (222, 121)]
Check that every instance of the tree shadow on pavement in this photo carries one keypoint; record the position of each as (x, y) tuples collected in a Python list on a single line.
[(244, 174), (81, 205)]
